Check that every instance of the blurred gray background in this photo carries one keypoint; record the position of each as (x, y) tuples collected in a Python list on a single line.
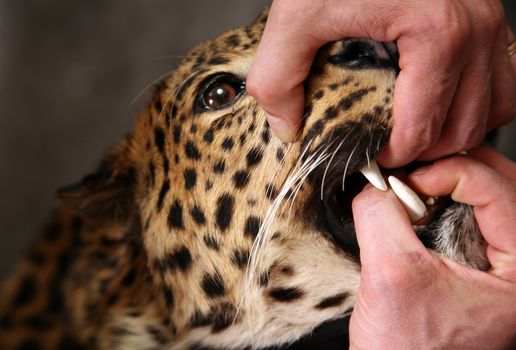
[(69, 71)]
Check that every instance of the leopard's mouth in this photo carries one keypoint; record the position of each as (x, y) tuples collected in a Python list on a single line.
[(336, 214)]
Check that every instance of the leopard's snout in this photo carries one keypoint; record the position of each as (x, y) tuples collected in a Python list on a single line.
[(363, 53)]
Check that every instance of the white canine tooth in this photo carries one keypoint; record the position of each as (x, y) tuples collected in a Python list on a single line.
[(413, 204), (373, 174)]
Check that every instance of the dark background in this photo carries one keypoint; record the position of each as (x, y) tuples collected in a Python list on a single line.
[(69, 71)]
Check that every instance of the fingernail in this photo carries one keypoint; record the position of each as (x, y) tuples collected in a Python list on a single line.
[(281, 129)]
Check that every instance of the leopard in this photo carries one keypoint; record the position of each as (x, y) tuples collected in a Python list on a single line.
[(202, 230)]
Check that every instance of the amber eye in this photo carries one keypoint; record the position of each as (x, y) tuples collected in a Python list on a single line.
[(220, 92)]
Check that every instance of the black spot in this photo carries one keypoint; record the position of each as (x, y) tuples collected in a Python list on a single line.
[(159, 139), (335, 300), (308, 110), (175, 216), (287, 270), (233, 40), (166, 165), (112, 299), (55, 299), (319, 94), (228, 143), (162, 193), (28, 344), (224, 212), (333, 87), (252, 226), (157, 334), (331, 112), (177, 134), (40, 323), (180, 259), (266, 136), (135, 314), (313, 132), (218, 60), (213, 285), (26, 292), (280, 154), (264, 279), (198, 215), (347, 102), (242, 139), (223, 317), (191, 151), (270, 191), (240, 257), (129, 278), (208, 185), (198, 319), (152, 173), (169, 296), (69, 343), (219, 167), (190, 176), (211, 242), (193, 129), (158, 106), (286, 295), (254, 156), (208, 136), (241, 178), (6, 322)]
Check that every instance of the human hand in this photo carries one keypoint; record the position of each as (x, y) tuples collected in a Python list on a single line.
[(410, 298), (456, 79)]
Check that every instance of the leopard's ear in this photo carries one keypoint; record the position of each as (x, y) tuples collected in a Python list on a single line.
[(108, 192)]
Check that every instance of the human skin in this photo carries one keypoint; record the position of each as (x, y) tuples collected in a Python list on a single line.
[(456, 80), (411, 298)]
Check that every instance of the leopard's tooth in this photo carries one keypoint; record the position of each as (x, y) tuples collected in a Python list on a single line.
[(415, 207), (373, 174)]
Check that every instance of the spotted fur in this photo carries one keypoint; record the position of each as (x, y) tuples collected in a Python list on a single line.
[(201, 229)]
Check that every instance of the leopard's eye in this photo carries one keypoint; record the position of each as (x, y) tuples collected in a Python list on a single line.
[(220, 92)]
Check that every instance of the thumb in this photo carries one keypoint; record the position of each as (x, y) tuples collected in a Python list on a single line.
[(384, 231)]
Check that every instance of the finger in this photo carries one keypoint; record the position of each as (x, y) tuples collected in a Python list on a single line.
[(494, 160), (281, 64), (503, 106), (380, 241), (293, 34), (429, 75), (492, 195), (466, 120)]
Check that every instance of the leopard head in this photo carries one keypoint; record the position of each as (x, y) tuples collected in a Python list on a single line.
[(249, 241)]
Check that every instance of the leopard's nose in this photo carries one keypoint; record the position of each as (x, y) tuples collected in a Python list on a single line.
[(363, 53)]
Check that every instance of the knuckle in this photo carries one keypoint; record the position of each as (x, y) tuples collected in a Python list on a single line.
[(260, 89), (412, 269), (426, 137), (490, 16), (473, 138)]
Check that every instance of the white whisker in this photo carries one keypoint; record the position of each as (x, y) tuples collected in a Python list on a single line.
[(346, 167), (148, 86), (328, 166)]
